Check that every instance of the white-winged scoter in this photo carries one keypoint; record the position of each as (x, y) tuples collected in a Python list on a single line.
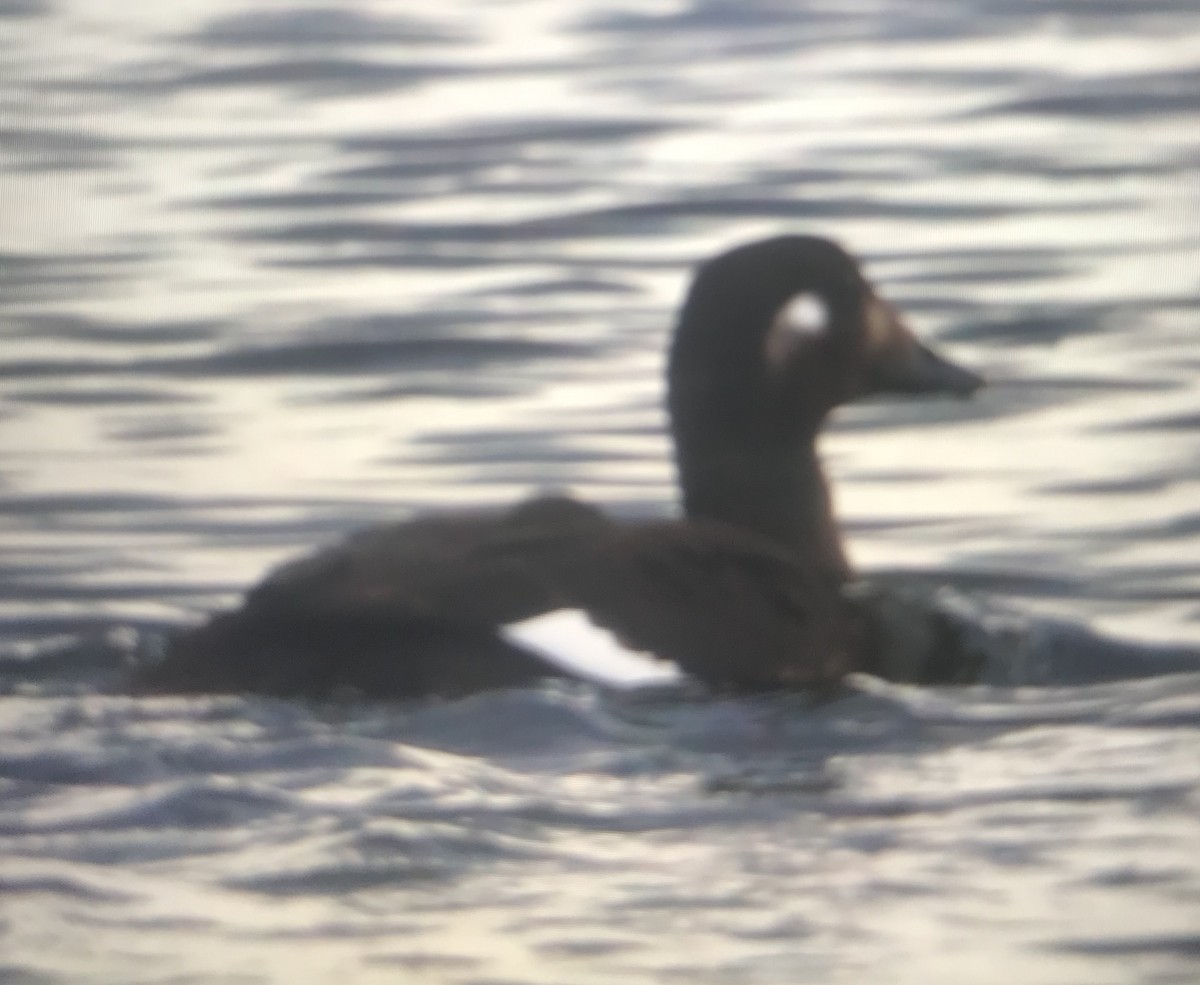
[(746, 591)]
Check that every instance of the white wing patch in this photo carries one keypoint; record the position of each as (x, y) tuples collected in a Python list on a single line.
[(804, 317), (570, 641)]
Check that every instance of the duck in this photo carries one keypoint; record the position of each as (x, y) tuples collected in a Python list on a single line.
[(750, 589)]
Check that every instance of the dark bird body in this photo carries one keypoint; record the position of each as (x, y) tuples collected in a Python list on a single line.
[(745, 592)]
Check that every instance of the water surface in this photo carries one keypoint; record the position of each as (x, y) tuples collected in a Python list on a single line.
[(269, 271)]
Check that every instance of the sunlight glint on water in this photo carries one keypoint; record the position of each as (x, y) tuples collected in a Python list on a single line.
[(269, 272)]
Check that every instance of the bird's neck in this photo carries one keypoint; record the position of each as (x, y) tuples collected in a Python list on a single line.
[(780, 493)]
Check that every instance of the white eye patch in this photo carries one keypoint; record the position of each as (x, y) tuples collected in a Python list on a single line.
[(805, 314), (804, 317)]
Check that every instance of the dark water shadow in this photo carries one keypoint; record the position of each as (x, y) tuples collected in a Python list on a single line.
[(1155, 94), (35, 149), (369, 346), (31, 277), (18, 9), (102, 396), (319, 27), (80, 328)]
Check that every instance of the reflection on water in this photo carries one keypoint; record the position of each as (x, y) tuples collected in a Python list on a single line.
[(268, 272)]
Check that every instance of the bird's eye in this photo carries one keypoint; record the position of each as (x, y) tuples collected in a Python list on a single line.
[(803, 318)]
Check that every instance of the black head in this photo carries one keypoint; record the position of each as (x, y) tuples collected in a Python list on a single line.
[(772, 336), (775, 334)]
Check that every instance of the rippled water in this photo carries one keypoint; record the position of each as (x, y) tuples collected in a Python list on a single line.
[(269, 271)]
